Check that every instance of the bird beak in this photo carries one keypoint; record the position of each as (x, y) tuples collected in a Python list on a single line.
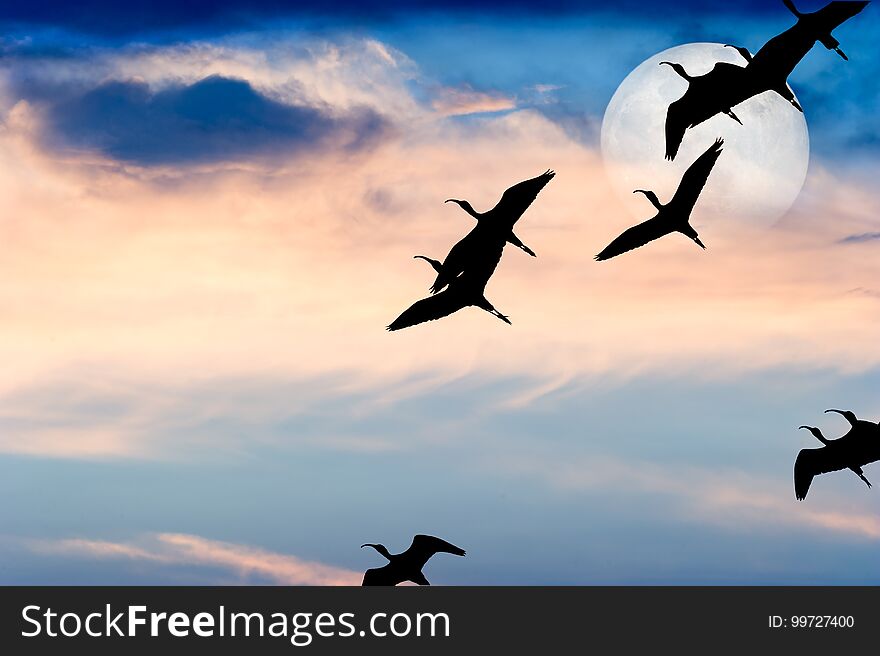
[(451, 200), (699, 243), (805, 428), (840, 412), (366, 545)]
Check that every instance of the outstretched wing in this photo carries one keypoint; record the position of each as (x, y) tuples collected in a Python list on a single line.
[(813, 462), (428, 309), (677, 122), (425, 546), (379, 576), (694, 179), (517, 199), (635, 237), (837, 12)]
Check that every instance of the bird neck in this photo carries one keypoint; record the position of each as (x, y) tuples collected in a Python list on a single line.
[(790, 5), (652, 197), (382, 550), (466, 206)]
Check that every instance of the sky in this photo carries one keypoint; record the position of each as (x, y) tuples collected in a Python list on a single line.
[(208, 213)]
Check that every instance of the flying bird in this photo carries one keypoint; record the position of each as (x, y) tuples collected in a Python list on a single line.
[(706, 96), (859, 447), (675, 215), (492, 226), (407, 566), (819, 436), (727, 85), (468, 289)]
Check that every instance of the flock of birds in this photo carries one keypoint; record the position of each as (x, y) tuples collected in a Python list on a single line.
[(463, 275)]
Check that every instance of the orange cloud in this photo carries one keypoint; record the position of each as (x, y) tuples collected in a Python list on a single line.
[(173, 276)]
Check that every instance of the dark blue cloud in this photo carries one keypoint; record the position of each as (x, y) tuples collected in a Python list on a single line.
[(111, 17), (215, 119), (861, 238)]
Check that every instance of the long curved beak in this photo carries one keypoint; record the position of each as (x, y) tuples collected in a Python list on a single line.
[(840, 412), (451, 200), (809, 428), (367, 545)]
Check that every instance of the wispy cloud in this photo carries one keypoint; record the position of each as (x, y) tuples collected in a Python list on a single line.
[(249, 564), (727, 498), (459, 101), (119, 274), (862, 238)]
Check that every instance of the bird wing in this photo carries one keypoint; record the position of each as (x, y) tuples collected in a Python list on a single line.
[(428, 309), (479, 250), (379, 576), (517, 199), (677, 123), (425, 546), (837, 12), (813, 462), (635, 237), (694, 179)]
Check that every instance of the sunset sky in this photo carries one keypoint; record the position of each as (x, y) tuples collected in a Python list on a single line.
[(208, 213)]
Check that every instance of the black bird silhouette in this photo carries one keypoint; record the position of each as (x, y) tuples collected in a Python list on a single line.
[(728, 85), (819, 436), (675, 215), (407, 566), (859, 447), (468, 289), (706, 96), (492, 226)]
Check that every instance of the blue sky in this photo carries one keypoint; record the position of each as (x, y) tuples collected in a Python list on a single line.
[(211, 208)]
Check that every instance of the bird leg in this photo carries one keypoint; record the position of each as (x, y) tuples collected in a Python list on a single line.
[(730, 113), (513, 239), (861, 474), (438, 267), (488, 307)]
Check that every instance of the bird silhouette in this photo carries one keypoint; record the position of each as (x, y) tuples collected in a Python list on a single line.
[(727, 85), (819, 436), (492, 226), (859, 447), (675, 215), (706, 96), (468, 289), (407, 566)]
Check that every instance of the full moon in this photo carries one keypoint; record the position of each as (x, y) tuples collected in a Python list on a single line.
[(764, 163)]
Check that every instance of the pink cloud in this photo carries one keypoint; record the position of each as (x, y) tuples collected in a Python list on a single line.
[(458, 101), (180, 549), (174, 276)]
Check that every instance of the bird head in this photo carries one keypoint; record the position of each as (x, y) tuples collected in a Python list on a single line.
[(678, 68), (378, 547), (466, 206), (849, 415)]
